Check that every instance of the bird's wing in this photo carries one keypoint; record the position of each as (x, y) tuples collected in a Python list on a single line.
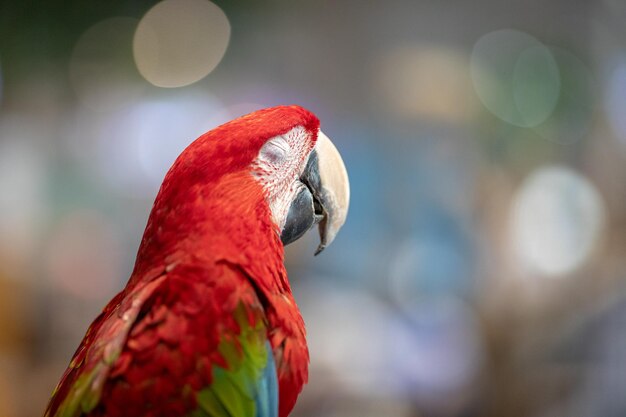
[(80, 387), (176, 347)]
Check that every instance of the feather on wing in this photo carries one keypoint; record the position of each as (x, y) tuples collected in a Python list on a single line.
[(183, 344)]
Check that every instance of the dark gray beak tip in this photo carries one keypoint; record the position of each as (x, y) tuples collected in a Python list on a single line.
[(319, 249)]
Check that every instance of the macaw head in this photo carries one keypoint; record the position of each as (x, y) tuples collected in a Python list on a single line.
[(304, 178), (283, 152)]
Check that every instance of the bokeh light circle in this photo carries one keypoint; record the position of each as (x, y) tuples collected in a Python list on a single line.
[(179, 42), (515, 76), (101, 69), (556, 220), (423, 80)]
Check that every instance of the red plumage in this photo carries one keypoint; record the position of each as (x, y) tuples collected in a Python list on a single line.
[(209, 245)]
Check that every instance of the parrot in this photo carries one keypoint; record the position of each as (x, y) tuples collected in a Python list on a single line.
[(207, 324)]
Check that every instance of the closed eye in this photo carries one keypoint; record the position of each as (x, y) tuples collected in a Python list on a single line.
[(275, 151)]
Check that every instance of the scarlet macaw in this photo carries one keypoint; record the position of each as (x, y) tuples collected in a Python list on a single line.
[(207, 324)]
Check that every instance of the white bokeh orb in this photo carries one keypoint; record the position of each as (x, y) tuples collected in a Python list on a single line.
[(556, 219), (179, 42)]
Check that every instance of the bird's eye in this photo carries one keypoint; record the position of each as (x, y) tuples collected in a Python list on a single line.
[(274, 151)]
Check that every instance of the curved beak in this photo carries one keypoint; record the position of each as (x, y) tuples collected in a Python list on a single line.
[(324, 197), (332, 192)]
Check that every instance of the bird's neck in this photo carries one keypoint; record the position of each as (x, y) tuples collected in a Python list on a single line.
[(228, 221)]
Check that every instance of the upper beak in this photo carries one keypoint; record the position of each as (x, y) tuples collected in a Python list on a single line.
[(324, 198), (327, 178)]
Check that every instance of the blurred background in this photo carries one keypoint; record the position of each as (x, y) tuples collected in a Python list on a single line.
[(481, 271)]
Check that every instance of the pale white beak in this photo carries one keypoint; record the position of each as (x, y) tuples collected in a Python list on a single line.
[(334, 192)]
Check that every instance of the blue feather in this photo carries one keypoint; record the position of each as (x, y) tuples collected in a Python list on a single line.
[(267, 395)]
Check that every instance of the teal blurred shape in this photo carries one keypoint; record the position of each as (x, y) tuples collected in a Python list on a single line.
[(515, 77)]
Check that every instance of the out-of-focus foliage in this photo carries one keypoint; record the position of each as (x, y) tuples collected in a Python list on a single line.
[(481, 271)]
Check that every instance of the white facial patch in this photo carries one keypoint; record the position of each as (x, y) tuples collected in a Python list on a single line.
[(278, 167)]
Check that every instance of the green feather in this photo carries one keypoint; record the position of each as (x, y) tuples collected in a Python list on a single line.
[(234, 389), (80, 398), (226, 388), (209, 403)]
